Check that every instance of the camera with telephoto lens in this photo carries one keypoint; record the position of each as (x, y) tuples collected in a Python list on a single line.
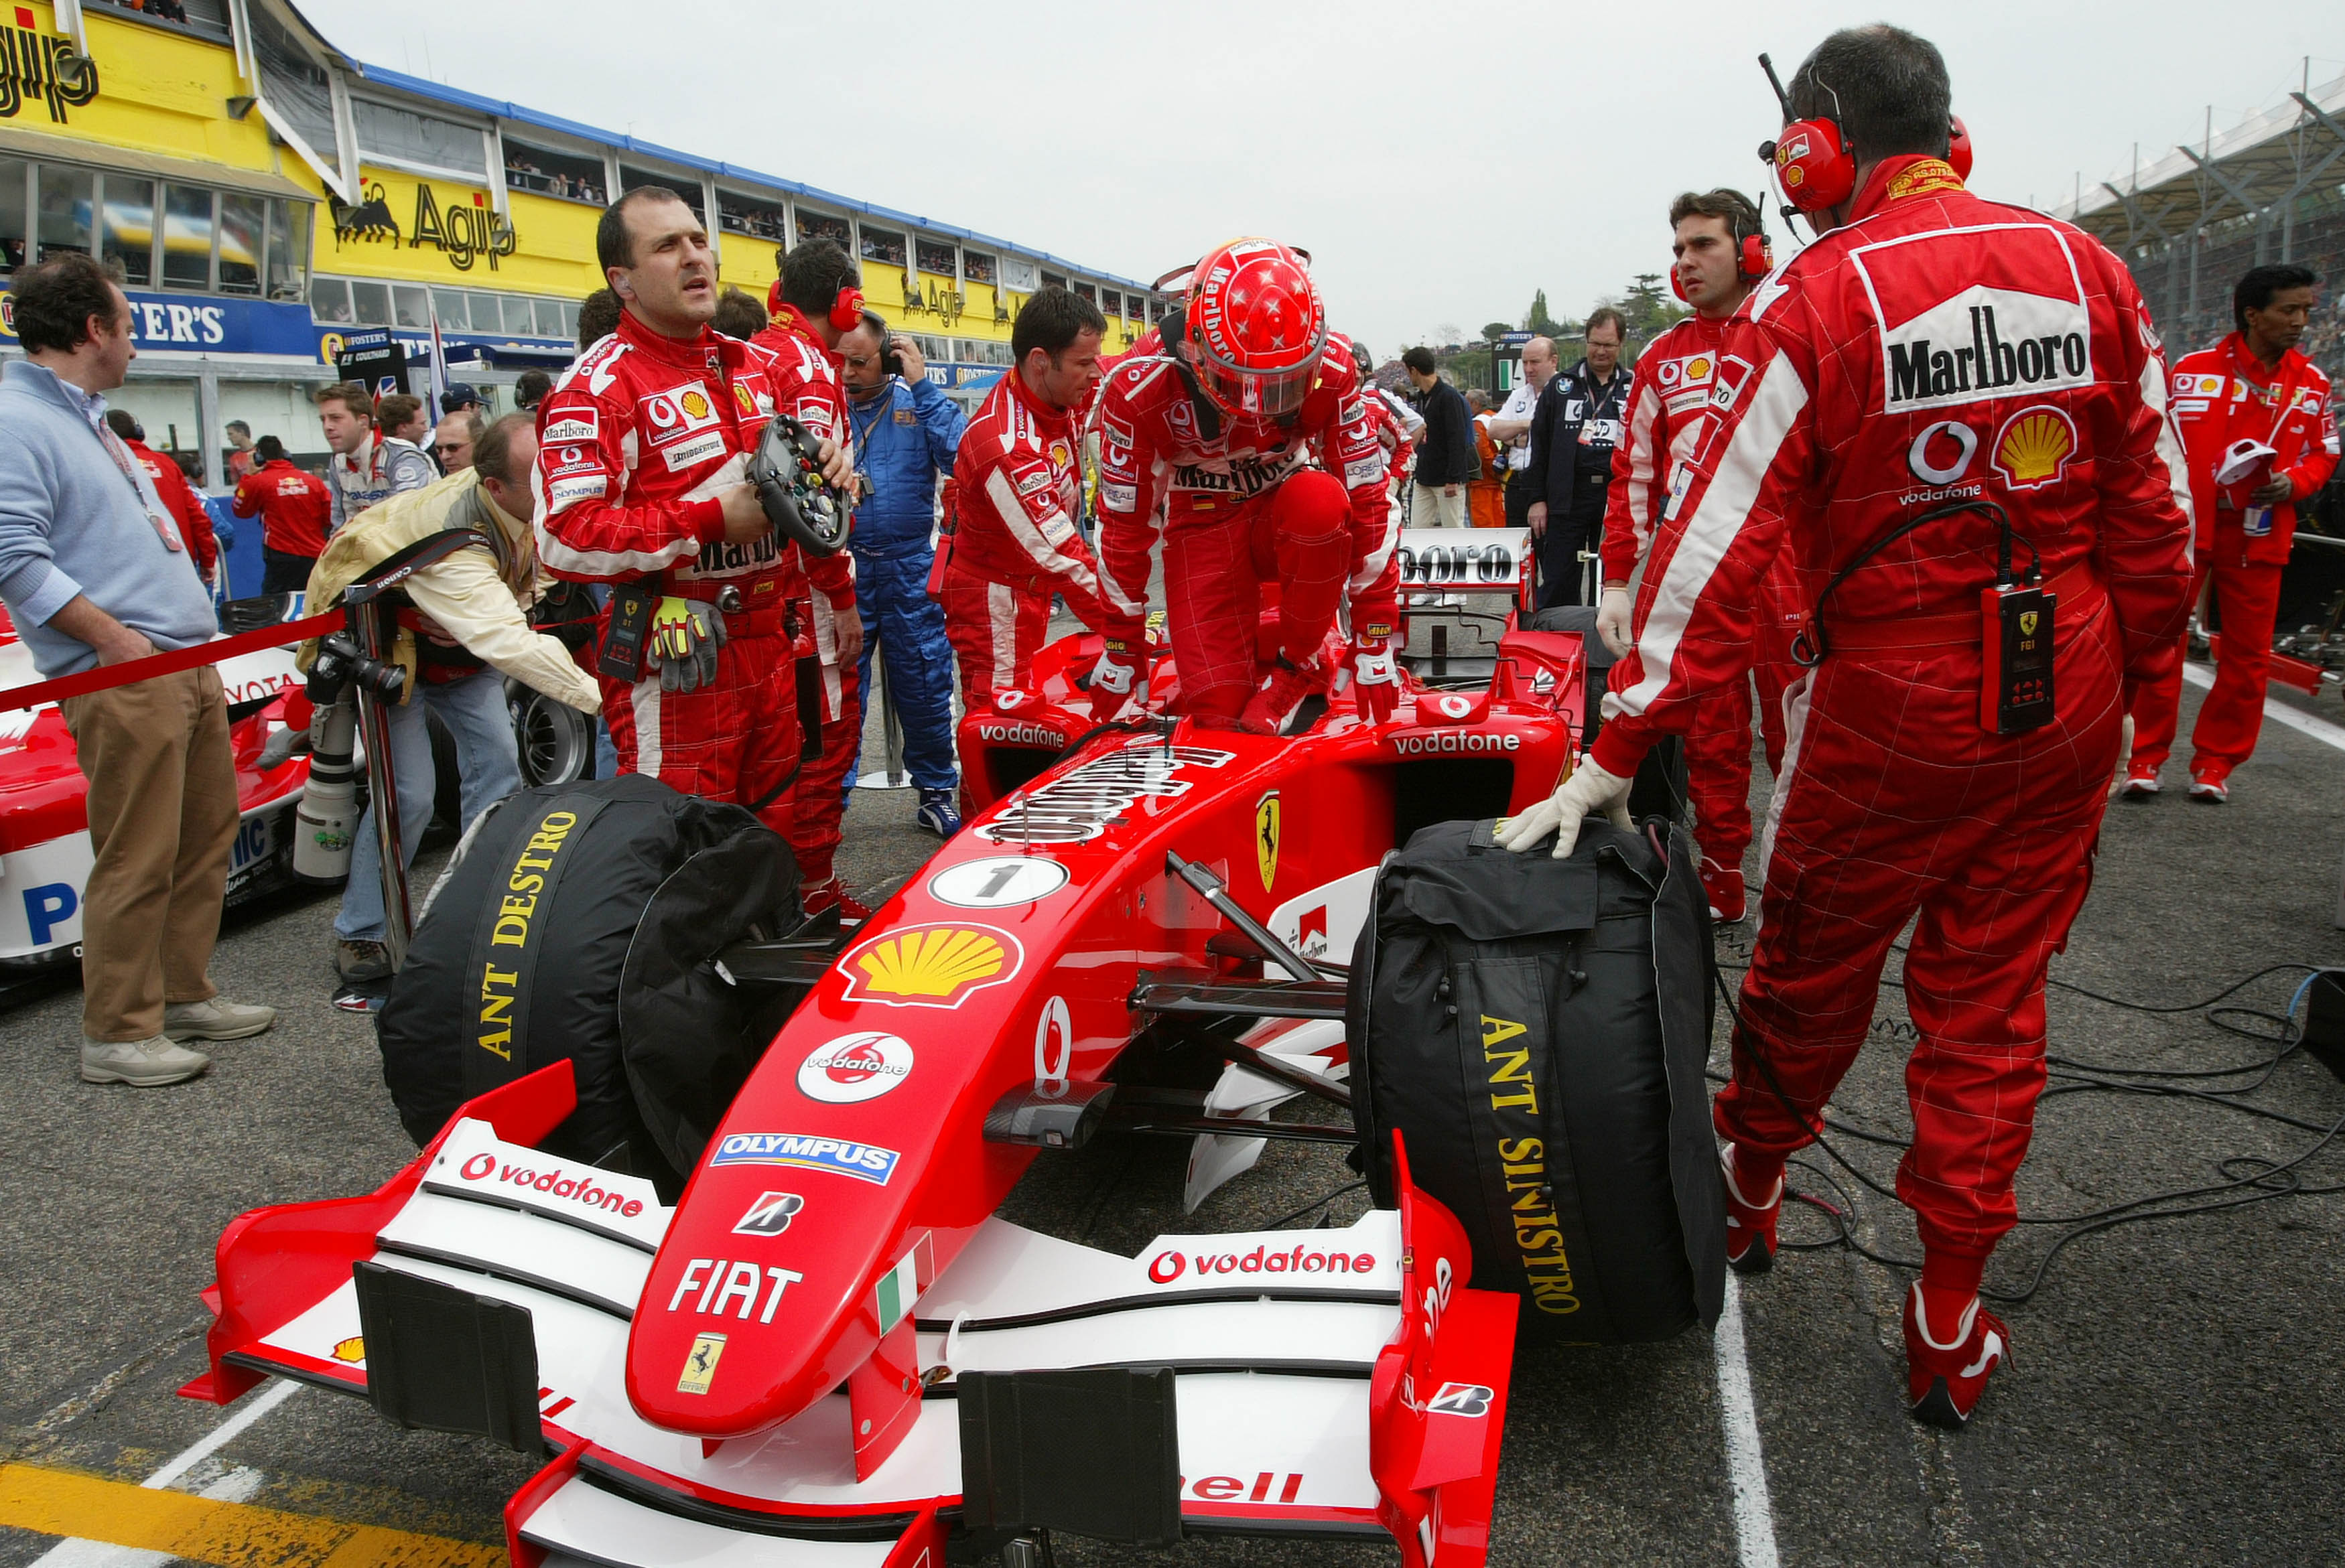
[(339, 664)]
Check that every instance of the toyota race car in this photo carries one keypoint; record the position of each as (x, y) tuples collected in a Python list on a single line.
[(829, 1350)]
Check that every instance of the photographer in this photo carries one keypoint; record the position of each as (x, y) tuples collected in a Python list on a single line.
[(906, 433), (463, 629)]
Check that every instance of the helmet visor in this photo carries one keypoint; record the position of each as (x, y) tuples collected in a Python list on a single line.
[(1270, 395)]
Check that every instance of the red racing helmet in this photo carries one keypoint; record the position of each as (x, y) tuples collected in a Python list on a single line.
[(1256, 322)]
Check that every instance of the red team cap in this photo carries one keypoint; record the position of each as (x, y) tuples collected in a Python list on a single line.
[(1257, 324)]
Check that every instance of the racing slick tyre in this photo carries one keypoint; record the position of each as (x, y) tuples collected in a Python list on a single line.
[(559, 900), (1536, 1030)]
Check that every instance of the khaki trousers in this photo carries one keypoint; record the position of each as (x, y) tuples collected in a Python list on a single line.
[(162, 822), (1435, 508)]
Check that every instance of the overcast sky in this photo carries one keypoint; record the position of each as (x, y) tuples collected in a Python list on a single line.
[(1441, 161)]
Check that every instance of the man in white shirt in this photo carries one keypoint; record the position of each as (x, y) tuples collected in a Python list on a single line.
[(1510, 428)]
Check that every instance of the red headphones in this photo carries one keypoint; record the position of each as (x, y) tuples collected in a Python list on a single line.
[(1816, 169), (1749, 257), (847, 311)]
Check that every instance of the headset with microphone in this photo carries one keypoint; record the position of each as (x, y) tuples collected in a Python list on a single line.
[(1815, 167)]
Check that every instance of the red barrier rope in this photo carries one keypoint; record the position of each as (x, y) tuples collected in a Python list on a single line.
[(212, 653)]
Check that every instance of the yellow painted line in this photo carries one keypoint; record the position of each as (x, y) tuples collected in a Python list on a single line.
[(230, 1534)]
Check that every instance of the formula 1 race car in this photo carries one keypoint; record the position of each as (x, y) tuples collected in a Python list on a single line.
[(829, 1350), (45, 854)]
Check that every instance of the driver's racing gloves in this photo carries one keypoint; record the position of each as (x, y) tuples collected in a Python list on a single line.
[(686, 635)]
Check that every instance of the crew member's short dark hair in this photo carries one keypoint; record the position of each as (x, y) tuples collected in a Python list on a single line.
[(739, 313), (598, 318), (395, 410), (1052, 320), (492, 448), (530, 387), (56, 299), (350, 395), (813, 272), (1605, 316), (1420, 359), (2255, 290), (1741, 215), (119, 422), (239, 425), (613, 247), (268, 448), (1885, 89)]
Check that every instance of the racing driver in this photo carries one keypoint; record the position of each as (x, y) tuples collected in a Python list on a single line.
[(1231, 422), (1936, 378), (643, 445), (1721, 253)]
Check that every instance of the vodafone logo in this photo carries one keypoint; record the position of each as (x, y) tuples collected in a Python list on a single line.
[(855, 1067), (1167, 1267)]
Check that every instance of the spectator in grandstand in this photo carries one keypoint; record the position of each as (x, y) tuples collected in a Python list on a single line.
[(94, 572), (295, 511), (453, 440), (1511, 428), (739, 314), (530, 389), (1445, 454), (1574, 428), (907, 434), (598, 318), (171, 484), (240, 451), (2259, 436)]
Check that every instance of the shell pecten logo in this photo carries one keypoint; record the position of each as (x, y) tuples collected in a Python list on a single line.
[(2034, 446), (930, 966), (695, 407)]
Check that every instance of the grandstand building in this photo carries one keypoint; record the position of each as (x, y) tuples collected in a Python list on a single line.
[(267, 195), (2189, 224)]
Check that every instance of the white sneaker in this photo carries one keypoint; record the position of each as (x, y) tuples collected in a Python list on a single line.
[(2215, 792), (148, 1062), (2139, 783), (216, 1019)]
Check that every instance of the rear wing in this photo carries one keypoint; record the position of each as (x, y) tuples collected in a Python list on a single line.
[(1466, 560)]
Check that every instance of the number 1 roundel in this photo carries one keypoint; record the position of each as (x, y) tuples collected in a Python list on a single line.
[(999, 882)]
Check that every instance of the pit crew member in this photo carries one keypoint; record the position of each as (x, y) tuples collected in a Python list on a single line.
[(2255, 387), (643, 448), (296, 511), (1017, 487), (1933, 364), (367, 468), (817, 300), (1575, 428), (467, 623), (1721, 255), (179, 497), (1224, 431), (905, 435)]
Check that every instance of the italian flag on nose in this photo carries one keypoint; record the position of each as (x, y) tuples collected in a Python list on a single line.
[(898, 1288)]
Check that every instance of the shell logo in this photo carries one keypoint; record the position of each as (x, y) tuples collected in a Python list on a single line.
[(695, 407), (1062, 454), (2034, 446), (1698, 369), (351, 1352), (930, 966)]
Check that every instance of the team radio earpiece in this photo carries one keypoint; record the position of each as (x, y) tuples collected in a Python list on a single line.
[(1749, 249), (1815, 168), (847, 311)]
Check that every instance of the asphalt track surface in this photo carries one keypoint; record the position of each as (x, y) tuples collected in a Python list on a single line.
[(2173, 1398)]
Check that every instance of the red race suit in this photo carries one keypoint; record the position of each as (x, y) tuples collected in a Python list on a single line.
[(1247, 502), (2222, 395), (1940, 348), (1018, 489), (636, 441), (1675, 376), (807, 388), (295, 509)]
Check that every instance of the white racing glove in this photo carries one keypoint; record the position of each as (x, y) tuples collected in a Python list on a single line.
[(1612, 620), (1588, 792), (1118, 682)]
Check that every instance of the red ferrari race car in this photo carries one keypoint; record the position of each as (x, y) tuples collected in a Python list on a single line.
[(830, 1350), (44, 856)]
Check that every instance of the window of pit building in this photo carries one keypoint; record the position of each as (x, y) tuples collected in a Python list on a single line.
[(985, 351), (127, 228), (935, 257), (752, 217), (1082, 290), (329, 302), (410, 306), (15, 208), (823, 225), (976, 266), (1110, 302), (1019, 273), (405, 136), (297, 89), (62, 204), (289, 248), (1051, 280), (205, 18), (883, 245), (632, 177), (549, 171)]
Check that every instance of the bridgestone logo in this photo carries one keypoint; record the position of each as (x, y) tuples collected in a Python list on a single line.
[(1453, 742), (1077, 806)]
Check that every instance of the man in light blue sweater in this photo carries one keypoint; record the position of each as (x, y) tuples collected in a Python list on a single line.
[(94, 572)]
